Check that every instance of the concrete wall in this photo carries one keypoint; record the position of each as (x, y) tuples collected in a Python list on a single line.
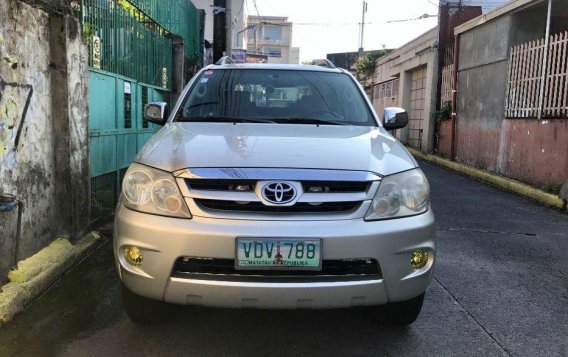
[(482, 76), (530, 150), (43, 128)]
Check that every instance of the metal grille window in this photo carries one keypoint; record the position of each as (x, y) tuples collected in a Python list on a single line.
[(386, 90), (127, 111), (144, 102), (534, 91)]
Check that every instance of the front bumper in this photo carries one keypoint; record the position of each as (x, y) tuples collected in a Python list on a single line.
[(162, 240)]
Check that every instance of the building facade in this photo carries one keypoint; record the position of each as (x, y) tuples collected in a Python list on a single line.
[(487, 88), (407, 78), (271, 36), (511, 104)]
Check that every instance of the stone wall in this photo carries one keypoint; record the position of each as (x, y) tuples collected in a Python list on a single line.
[(43, 128)]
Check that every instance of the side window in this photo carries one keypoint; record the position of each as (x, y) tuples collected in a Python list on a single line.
[(127, 110), (144, 102)]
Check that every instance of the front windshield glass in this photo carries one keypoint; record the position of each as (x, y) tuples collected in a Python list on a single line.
[(275, 96)]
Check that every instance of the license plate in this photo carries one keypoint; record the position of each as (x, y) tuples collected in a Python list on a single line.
[(275, 253)]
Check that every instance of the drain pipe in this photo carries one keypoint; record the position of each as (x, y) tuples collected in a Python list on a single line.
[(455, 97), (7, 203)]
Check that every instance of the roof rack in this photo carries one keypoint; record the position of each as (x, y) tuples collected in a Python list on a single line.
[(323, 63), (225, 60)]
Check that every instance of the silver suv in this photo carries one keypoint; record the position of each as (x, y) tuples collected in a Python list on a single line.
[(274, 187)]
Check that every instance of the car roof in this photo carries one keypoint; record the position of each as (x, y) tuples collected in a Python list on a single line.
[(274, 66)]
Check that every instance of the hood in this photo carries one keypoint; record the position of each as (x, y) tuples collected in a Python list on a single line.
[(199, 145)]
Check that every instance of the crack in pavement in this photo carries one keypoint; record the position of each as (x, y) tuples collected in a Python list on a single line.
[(488, 231), (501, 347)]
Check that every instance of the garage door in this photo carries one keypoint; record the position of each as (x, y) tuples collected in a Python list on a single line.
[(417, 114)]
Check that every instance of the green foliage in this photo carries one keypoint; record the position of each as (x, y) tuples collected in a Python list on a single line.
[(552, 188), (445, 113), (88, 31), (365, 65)]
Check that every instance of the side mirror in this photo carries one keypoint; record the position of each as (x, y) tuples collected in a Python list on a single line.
[(155, 112), (395, 118)]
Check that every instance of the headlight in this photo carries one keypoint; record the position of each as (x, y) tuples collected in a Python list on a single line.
[(400, 195), (153, 191)]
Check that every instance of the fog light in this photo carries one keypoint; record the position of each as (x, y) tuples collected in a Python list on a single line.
[(133, 256), (419, 259)]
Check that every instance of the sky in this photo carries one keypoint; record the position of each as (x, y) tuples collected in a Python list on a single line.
[(329, 26)]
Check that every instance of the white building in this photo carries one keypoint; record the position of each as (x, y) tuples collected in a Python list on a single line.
[(271, 36)]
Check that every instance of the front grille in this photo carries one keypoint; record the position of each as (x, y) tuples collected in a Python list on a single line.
[(214, 193), (336, 186), (224, 270), (300, 207), (218, 185), (309, 186)]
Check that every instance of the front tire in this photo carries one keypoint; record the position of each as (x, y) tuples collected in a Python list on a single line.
[(142, 310), (400, 313)]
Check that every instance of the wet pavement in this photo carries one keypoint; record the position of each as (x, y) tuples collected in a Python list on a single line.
[(500, 288)]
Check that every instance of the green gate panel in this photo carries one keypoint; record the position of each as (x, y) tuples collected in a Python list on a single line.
[(102, 101), (102, 151), (120, 103), (128, 148), (116, 132)]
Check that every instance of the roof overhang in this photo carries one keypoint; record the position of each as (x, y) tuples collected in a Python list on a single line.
[(513, 6)]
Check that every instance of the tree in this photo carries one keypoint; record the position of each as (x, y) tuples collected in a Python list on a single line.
[(365, 65)]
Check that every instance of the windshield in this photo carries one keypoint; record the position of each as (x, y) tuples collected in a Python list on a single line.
[(275, 96)]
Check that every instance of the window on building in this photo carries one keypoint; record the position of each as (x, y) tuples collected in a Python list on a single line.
[(144, 102), (272, 33), (127, 111), (386, 90), (273, 52), (252, 35)]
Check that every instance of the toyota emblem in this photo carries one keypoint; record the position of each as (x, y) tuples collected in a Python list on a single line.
[(279, 192)]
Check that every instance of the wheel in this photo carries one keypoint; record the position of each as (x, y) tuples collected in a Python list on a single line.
[(400, 313), (142, 310)]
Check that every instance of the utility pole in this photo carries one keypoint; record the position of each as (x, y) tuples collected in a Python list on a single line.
[(219, 29), (229, 24), (362, 32)]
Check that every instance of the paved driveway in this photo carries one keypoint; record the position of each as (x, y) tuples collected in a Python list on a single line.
[(500, 288)]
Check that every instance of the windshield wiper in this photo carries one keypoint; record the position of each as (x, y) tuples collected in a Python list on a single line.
[(299, 120), (223, 119)]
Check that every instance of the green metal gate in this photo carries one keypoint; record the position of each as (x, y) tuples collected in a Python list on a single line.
[(117, 132), (130, 60)]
